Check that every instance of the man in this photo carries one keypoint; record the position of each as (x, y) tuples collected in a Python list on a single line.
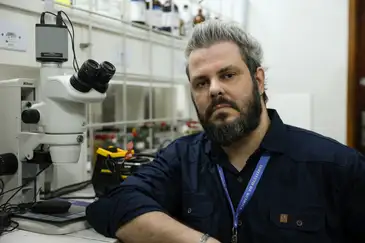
[(249, 177)]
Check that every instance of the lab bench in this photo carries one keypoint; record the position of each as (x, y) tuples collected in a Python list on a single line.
[(82, 236)]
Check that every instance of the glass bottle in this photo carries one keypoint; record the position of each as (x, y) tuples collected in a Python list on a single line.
[(199, 18)]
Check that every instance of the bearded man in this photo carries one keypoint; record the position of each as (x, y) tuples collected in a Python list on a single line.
[(248, 177)]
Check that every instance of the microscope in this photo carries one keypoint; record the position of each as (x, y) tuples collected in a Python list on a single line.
[(42, 122)]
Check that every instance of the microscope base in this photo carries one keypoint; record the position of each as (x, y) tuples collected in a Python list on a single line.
[(56, 224), (49, 228)]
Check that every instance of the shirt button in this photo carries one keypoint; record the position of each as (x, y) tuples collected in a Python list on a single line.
[(239, 223), (239, 179), (299, 223), (189, 210)]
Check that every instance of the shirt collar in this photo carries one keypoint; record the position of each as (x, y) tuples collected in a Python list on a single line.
[(275, 140)]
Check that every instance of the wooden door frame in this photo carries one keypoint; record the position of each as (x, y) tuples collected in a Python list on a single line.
[(352, 75)]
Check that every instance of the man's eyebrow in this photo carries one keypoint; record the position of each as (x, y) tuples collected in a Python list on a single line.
[(199, 77), (226, 69), (222, 70)]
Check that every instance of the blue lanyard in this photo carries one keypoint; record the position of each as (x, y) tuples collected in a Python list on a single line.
[(249, 191)]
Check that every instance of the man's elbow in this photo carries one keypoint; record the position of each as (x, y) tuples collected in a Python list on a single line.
[(107, 215), (97, 215), (140, 226)]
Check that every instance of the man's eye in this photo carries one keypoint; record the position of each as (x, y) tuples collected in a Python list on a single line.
[(228, 75), (201, 84)]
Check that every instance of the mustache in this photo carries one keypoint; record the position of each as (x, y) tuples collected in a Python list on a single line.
[(219, 101)]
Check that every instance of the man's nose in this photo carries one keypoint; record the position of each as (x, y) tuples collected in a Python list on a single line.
[(215, 88)]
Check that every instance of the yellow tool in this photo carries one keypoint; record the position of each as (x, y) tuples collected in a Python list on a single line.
[(112, 153), (108, 169)]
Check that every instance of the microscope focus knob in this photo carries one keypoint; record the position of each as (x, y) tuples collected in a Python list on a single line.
[(8, 164), (31, 116)]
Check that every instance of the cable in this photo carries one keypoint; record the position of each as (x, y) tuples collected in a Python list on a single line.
[(22, 186), (66, 190), (139, 160), (72, 39), (14, 225), (10, 209), (10, 190), (18, 189), (148, 155), (2, 187), (22, 207)]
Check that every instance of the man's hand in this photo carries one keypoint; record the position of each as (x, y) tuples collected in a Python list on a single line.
[(157, 227)]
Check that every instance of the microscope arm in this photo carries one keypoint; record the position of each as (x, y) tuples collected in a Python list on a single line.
[(61, 115), (60, 89)]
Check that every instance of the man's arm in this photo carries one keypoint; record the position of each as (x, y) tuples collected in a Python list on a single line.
[(138, 210), (158, 227), (354, 197)]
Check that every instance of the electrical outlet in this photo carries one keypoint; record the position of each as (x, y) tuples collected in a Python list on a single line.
[(12, 36)]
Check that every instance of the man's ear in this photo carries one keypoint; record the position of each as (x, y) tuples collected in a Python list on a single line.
[(260, 79)]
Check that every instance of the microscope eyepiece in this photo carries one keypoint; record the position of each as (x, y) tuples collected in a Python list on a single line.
[(107, 72), (82, 80), (92, 64), (89, 68), (93, 75), (88, 71), (108, 67)]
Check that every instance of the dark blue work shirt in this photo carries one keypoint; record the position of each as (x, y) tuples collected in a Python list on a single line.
[(313, 190)]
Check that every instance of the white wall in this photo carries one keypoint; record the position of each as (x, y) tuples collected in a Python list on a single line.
[(305, 51)]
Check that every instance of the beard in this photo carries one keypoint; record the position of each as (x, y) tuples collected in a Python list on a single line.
[(228, 133)]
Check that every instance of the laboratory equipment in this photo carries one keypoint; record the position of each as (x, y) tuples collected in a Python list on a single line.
[(42, 121), (113, 165)]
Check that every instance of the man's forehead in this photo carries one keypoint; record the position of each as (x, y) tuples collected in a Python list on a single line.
[(213, 58), (216, 51)]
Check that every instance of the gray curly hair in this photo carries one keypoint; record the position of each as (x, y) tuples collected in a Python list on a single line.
[(213, 31)]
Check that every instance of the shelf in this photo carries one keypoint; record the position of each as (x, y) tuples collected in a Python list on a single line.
[(131, 48)]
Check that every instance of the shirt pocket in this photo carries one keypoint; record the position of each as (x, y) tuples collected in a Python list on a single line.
[(197, 211), (299, 225)]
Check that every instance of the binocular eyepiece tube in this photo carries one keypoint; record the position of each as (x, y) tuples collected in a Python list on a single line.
[(93, 75)]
